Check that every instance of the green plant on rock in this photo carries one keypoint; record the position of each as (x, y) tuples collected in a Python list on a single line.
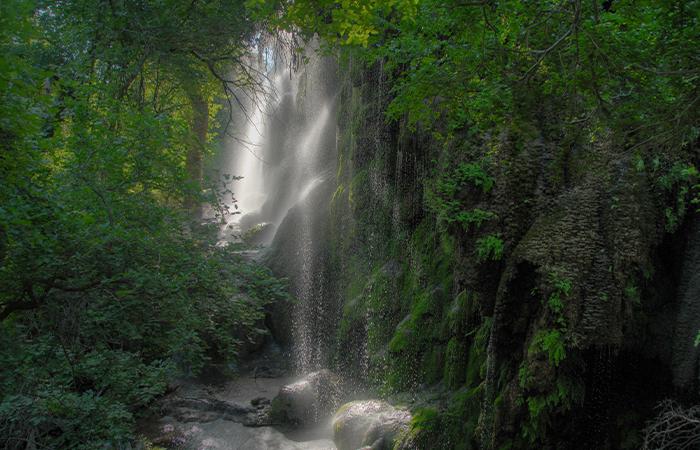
[(550, 343), (455, 363), (555, 302), (489, 247), (632, 293), (448, 196), (564, 395), (452, 427), (425, 420), (682, 183)]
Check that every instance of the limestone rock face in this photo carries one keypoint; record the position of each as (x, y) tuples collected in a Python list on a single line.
[(309, 400), (369, 424)]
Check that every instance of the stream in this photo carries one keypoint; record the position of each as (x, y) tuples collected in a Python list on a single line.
[(216, 412)]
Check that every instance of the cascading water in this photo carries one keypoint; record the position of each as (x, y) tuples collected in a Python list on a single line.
[(285, 150)]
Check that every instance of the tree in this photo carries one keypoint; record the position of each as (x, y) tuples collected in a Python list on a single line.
[(105, 289)]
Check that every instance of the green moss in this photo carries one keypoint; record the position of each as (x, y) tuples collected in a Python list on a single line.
[(455, 320), (401, 339), (425, 420), (357, 189), (454, 427), (422, 306), (433, 364), (455, 363), (337, 195)]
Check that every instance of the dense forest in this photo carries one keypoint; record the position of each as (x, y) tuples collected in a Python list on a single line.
[(370, 224)]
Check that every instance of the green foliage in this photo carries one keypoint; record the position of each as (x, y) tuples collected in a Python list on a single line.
[(563, 391), (489, 247), (449, 196), (475, 67), (454, 427), (107, 290), (455, 364), (417, 338), (347, 22), (551, 343), (681, 183), (561, 288), (632, 293), (542, 408)]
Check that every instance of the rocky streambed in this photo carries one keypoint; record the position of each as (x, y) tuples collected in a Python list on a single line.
[(232, 413), (265, 408)]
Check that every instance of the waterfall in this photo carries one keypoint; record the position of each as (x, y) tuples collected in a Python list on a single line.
[(250, 192), (285, 152)]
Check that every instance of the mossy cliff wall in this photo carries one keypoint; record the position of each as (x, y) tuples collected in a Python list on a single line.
[(526, 280)]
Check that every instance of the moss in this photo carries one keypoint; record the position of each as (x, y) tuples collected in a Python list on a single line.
[(433, 364), (337, 195), (455, 363), (425, 420), (475, 361), (402, 338), (434, 250), (476, 365), (454, 321), (453, 428), (357, 189), (422, 291)]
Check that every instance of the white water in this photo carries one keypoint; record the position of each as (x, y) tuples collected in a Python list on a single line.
[(276, 146), (284, 148), (250, 190)]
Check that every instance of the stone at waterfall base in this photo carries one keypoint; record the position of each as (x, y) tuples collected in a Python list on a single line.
[(369, 424), (309, 400)]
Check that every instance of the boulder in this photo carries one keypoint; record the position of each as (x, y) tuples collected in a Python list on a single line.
[(369, 424), (206, 409), (309, 400)]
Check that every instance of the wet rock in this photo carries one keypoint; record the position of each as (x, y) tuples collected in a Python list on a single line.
[(259, 234), (309, 400), (260, 401), (173, 435), (371, 424), (203, 410)]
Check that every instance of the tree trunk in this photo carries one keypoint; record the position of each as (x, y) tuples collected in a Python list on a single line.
[(195, 152)]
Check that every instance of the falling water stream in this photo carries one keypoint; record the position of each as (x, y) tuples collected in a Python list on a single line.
[(283, 151), (277, 152)]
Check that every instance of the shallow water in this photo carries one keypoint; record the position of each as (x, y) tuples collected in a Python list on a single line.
[(210, 429)]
